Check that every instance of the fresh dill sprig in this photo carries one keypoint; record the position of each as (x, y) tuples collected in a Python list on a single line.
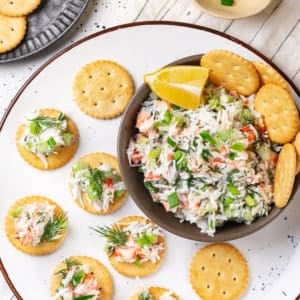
[(54, 227), (37, 123), (69, 264), (114, 234)]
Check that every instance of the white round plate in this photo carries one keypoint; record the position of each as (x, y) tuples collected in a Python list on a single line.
[(272, 253)]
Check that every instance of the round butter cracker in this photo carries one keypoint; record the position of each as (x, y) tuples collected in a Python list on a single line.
[(269, 75), (44, 247), (16, 8), (12, 32), (94, 160), (219, 271), (100, 272), (131, 269), (231, 71), (102, 89), (284, 179), (279, 111), (55, 160)]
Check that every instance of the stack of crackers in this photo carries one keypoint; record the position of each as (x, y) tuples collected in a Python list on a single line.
[(275, 103), (13, 22)]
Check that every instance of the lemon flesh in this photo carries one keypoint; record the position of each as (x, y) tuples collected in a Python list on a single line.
[(179, 85)]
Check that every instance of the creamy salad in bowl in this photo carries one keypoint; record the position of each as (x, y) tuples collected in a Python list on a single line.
[(208, 166)]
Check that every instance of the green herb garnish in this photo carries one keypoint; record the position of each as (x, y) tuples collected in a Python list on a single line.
[(77, 278), (86, 297), (227, 2), (205, 154), (69, 264), (149, 185), (173, 200), (54, 227), (114, 234), (207, 137), (146, 239)]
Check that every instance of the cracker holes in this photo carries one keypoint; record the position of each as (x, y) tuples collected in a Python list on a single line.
[(95, 103), (229, 260), (11, 2), (208, 286), (102, 88), (213, 255), (224, 293), (114, 101), (234, 279), (83, 91), (120, 85), (90, 76), (12, 29), (108, 73), (219, 274), (203, 268), (1, 42)]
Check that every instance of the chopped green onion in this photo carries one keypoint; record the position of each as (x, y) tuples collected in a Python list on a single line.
[(77, 278), (179, 120), (227, 2), (250, 201), (86, 297), (51, 142), (17, 212), (157, 124), (205, 154), (232, 189), (61, 116), (247, 117), (239, 147), (68, 138), (149, 185), (177, 155), (167, 117), (35, 128), (154, 153), (146, 240), (230, 99), (138, 262), (232, 155), (228, 201), (171, 142), (173, 200), (207, 137), (118, 194)]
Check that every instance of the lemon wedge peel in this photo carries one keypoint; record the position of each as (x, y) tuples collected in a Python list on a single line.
[(179, 85)]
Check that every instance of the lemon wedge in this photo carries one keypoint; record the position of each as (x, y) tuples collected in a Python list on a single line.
[(179, 85)]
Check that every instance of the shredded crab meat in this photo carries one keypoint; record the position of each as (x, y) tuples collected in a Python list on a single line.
[(80, 181), (132, 250), (30, 222), (217, 161), (88, 285)]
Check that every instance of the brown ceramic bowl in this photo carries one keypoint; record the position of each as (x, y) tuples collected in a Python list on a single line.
[(155, 211)]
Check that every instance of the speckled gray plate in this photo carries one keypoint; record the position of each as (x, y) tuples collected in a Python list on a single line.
[(48, 23)]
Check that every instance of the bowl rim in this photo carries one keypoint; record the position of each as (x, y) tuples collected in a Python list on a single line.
[(219, 236)]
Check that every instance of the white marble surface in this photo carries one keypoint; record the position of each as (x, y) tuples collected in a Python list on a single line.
[(275, 32)]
